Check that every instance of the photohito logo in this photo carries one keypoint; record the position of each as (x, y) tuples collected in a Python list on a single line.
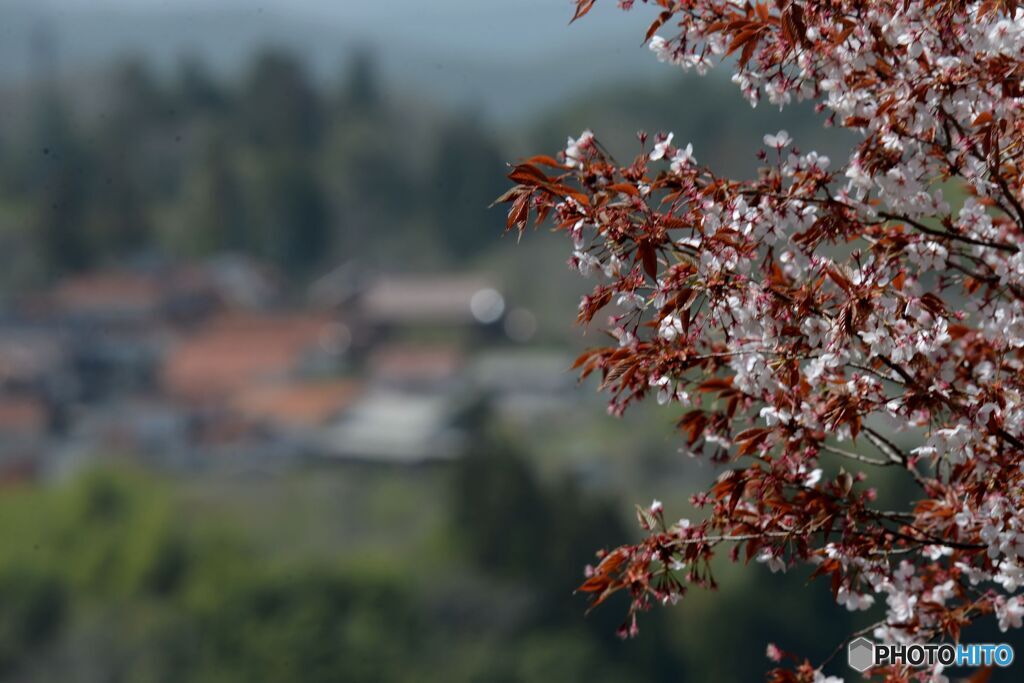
[(862, 654)]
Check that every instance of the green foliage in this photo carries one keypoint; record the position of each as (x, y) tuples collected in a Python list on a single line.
[(468, 176), (279, 108), (361, 92), (290, 215), (275, 166), (215, 204), (495, 490), (116, 577), (33, 608), (309, 626), (512, 524), (280, 167)]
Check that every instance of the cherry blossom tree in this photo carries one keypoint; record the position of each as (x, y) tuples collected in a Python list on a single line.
[(838, 317)]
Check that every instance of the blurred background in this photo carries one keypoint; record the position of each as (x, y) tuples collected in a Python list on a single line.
[(279, 401)]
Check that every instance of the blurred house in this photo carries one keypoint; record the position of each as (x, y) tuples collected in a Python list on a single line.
[(296, 407), (258, 384), (242, 282), (24, 430), (108, 298), (34, 358), (165, 294), (116, 326), (154, 429), (390, 427), (417, 368), (236, 351), (525, 384), (272, 426), (22, 419), (119, 323), (36, 378), (337, 287), (437, 305)]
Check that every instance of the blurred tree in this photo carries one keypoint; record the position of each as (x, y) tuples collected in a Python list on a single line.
[(291, 214), (127, 168), (267, 169), (34, 608), (59, 171), (215, 218), (372, 187), (547, 531), (136, 98), (196, 90), (466, 167), (361, 92), (118, 219), (514, 526), (311, 626), (119, 577), (279, 107), (494, 489)]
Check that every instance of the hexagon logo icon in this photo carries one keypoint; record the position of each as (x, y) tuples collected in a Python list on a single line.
[(860, 654)]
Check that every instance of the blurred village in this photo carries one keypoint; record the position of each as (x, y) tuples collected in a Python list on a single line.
[(209, 365)]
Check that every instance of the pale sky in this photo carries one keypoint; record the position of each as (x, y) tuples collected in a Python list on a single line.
[(503, 54), (488, 26)]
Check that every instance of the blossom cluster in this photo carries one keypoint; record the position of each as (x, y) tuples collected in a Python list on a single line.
[(823, 315)]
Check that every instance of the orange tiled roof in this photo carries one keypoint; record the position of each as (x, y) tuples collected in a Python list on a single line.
[(238, 349), (22, 416), (305, 404), (107, 291), (400, 363)]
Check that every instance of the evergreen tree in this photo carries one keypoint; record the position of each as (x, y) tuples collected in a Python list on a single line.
[(196, 89), (279, 106), (60, 199), (216, 218), (361, 92), (466, 167), (291, 215)]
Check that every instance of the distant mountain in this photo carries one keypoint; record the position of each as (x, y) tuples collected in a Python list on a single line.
[(508, 58)]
